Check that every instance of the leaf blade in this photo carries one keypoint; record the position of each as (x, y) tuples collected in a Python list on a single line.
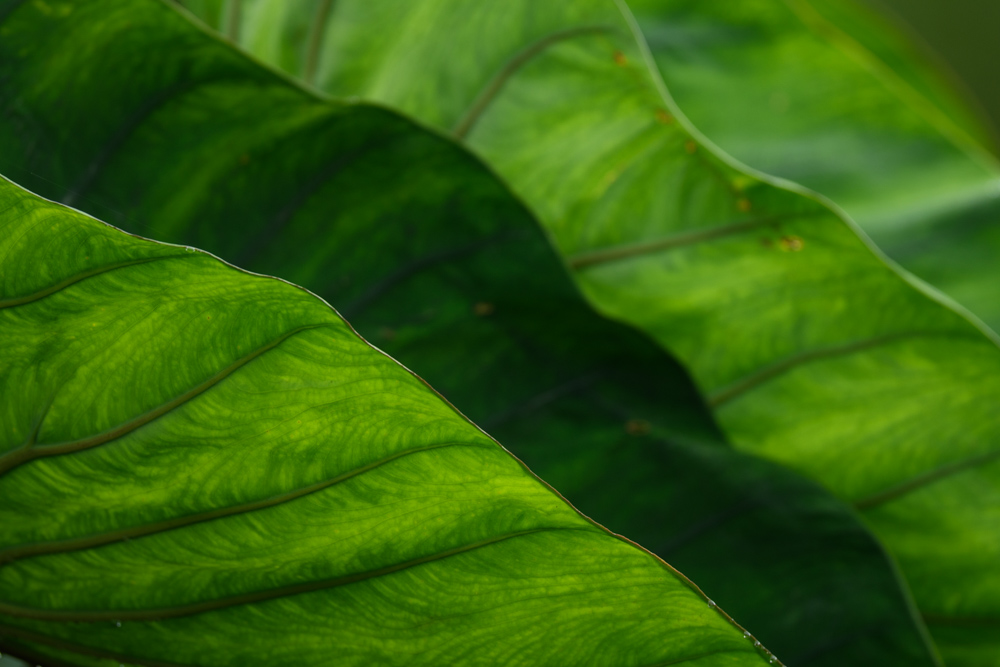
[(191, 568)]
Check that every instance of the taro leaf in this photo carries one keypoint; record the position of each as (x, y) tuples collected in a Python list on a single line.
[(782, 88), (814, 350), (204, 466), (435, 261)]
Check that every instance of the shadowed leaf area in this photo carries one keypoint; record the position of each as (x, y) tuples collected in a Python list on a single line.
[(812, 348), (171, 134)]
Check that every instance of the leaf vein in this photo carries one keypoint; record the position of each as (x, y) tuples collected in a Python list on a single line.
[(18, 457), (90, 541), (162, 613), (496, 84), (48, 291), (771, 371)]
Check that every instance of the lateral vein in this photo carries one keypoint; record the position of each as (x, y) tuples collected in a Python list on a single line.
[(38, 638), (18, 457), (48, 291), (616, 253), (95, 616), (926, 479), (496, 84), (762, 375), (133, 532)]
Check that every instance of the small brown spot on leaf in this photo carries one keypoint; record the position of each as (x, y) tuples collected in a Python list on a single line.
[(690, 147), (664, 117), (791, 243), (620, 59), (637, 427), (744, 204), (483, 309)]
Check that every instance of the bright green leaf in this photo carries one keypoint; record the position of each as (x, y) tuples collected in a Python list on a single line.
[(205, 466)]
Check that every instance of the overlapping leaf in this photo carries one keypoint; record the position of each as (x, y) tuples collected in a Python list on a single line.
[(204, 466), (782, 88), (160, 127), (812, 348)]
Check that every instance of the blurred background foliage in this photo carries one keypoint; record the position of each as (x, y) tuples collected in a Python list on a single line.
[(963, 34)]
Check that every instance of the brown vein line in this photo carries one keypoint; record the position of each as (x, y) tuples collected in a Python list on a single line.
[(36, 658), (24, 454), (726, 394), (37, 296), (94, 616), (961, 621), (90, 541), (496, 84), (316, 33), (925, 479), (93, 170), (617, 253)]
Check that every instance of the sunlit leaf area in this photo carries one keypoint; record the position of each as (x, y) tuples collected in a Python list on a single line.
[(624, 333)]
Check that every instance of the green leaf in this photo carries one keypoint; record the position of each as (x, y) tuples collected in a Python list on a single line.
[(813, 349), (781, 87), (434, 261), (205, 466)]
